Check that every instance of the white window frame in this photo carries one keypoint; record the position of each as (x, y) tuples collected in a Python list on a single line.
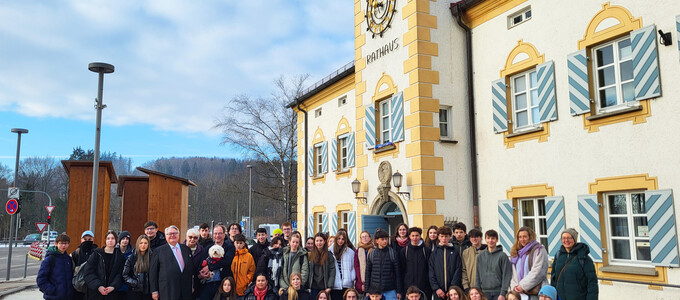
[(318, 159), (385, 114), (528, 108), (446, 111), (618, 84), (318, 222), (344, 220), (525, 14), (541, 235), (342, 101), (632, 239), (343, 151), (317, 112)]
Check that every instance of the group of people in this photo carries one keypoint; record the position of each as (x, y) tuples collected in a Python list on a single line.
[(444, 263)]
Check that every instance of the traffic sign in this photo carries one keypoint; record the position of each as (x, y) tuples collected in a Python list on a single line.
[(41, 226), (13, 193), (12, 206), (49, 209), (242, 223)]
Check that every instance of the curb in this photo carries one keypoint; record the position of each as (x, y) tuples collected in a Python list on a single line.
[(17, 289)]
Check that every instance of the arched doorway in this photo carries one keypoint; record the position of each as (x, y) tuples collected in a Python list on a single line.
[(385, 214)]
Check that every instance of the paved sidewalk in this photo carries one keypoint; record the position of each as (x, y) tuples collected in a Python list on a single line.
[(16, 285)]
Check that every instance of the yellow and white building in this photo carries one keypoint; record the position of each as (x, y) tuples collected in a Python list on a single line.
[(502, 114)]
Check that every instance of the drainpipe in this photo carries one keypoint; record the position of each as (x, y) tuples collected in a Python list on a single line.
[(457, 12), (306, 166)]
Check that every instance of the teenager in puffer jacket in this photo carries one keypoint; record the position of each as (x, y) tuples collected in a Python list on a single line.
[(345, 272), (446, 266), (136, 270), (56, 271)]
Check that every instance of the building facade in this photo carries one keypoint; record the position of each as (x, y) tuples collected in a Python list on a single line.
[(502, 114)]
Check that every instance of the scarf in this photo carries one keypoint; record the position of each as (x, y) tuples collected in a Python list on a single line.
[(366, 247), (259, 294), (402, 241), (521, 260)]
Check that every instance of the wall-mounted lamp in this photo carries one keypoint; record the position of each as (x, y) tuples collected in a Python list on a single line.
[(356, 187), (666, 38), (396, 181)]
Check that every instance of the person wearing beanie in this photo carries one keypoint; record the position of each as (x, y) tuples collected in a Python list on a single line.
[(126, 249), (573, 271), (547, 292), (382, 268), (277, 232)]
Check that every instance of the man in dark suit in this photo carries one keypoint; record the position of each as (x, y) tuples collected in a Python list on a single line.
[(171, 269)]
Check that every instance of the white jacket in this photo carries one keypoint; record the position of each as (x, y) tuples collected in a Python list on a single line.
[(346, 280)]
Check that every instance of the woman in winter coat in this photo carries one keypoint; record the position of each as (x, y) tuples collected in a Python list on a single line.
[(104, 269), (573, 271), (295, 290), (136, 270), (294, 261), (400, 239), (321, 266), (529, 264), (260, 290), (365, 246), (345, 274)]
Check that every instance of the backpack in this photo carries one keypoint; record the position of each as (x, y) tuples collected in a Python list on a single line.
[(79, 278)]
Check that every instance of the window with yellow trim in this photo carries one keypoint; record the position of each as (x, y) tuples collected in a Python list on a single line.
[(627, 228), (613, 70), (525, 105)]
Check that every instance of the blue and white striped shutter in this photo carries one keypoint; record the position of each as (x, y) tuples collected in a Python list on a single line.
[(350, 150), (500, 105), (589, 223), (547, 101), (310, 161), (554, 207), (324, 222), (324, 157), (333, 226), (334, 155), (677, 28), (663, 237), (645, 63), (310, 225), (577, 71), (398, 117), (369, 126), (506, 224), (352, 228)]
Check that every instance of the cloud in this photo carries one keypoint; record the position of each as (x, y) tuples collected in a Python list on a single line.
[(177, 62)]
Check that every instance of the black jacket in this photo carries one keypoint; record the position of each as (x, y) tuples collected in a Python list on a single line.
[(157, 241), (382, 268), (82, 253), (250, 294), (461, 246), (224, 264), (271, 264), (205, 241), (578, 279), (302, 295), (414, 265), (165, 275), (138, 282), (95, 271), (257, 250), (446, 268)]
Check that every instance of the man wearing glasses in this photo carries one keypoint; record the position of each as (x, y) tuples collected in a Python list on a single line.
[(171, 269), (208, 290), (156, 238)]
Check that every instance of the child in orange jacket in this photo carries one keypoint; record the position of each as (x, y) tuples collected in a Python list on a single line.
[(243, 265)]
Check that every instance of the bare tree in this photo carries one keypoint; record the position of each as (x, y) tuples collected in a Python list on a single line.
[(266, 131)]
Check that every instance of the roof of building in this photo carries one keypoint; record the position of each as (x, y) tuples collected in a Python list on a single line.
[(68, 164), (344, 71), (147, 171)]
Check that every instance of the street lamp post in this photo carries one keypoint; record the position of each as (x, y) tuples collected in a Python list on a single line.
[(18, 131), (250, 201), (101, 68)]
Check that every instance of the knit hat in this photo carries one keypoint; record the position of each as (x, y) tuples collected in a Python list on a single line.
[(381, 234), (277, 231), (123, 234), (549, 290), (572, 232), (87, 232)]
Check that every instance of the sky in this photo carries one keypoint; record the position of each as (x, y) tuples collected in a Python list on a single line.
[(177, 64)]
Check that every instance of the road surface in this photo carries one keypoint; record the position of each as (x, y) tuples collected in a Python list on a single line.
[(18, 260)]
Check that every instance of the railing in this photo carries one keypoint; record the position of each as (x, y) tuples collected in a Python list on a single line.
[(328, 78)]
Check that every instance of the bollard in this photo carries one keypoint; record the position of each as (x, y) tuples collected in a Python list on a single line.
[(26, 265)]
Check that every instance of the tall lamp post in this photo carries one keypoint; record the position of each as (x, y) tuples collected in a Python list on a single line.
[(101, 68), (250, 201), (18, 131)]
